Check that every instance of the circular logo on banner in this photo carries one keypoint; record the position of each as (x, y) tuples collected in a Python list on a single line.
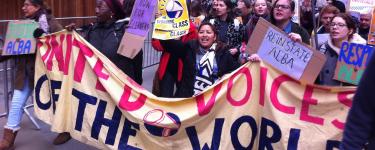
[(174, 9), (153, 123)]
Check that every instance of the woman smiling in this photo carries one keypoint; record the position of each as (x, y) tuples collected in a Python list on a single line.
[(205, 60)]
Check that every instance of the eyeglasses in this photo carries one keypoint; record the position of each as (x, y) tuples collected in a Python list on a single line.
[(277, 6), (341, 25)]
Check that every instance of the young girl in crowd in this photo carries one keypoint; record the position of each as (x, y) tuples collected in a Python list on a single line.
[(230, 30), (261, 9), (342, 29), (205, 60), (24, 82)]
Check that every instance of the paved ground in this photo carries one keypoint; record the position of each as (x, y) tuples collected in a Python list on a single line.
[(31, 139)]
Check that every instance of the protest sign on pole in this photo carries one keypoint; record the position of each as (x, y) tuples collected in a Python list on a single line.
[(174, 20), (371, 34), (138, 27), (296, 59), (19, 38), (352, 62), (85, 94), (361, 6)]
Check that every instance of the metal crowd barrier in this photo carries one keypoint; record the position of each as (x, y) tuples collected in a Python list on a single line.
[(151, 57)]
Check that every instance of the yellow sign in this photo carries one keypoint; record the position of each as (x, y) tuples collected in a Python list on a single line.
[(174, 20), (78, 90)]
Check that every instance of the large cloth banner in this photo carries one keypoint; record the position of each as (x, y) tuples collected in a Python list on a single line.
[(80, 91)]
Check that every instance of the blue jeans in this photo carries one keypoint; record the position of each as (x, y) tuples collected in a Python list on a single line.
[(18, 102)]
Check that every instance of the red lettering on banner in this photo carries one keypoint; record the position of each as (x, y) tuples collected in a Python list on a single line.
[(125, 100), (204, 109), (56, 53), (68, 53), (99, 86), (249, 84), (274, 89), (263, 80), (49, 49), (308, 100), (98, 69), (343, 98), (79, 67)]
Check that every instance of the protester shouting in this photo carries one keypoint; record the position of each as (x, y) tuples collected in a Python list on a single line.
[(282, 13), (342, 29), (205, 60), (230, 30), (24, 83), (261, 9)]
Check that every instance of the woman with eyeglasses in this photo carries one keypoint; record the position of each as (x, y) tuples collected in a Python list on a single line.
[(342, 29), (282, 13), (24, 83)]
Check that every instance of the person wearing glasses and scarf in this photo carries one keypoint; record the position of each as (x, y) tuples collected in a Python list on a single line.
[(342, 29)]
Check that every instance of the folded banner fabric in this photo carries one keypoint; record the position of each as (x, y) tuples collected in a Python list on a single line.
[(78, 90)]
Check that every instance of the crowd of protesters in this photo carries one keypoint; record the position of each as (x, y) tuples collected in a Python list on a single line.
[(219, 31)]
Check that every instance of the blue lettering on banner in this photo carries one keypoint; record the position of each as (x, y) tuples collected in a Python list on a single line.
[(235, 128), (264, 141), (55, 85), (293, 139), (128, 131), (193, 137), (112, 124), (84, 99)]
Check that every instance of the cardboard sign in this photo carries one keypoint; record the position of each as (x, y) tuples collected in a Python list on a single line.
[(297, 60), (371, 34), (137, 31), (361, 6), (254, 107), (352, 62), (174, 20), (19, 38)]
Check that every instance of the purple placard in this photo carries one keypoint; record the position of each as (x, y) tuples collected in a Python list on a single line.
[(142, 14)]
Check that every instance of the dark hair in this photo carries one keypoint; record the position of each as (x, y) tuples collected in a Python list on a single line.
[(220, 45), (44, 9), (247, 3), (350, 23), (196, 6), (116, 8), (128, 7), (339, 5), (230, 6)]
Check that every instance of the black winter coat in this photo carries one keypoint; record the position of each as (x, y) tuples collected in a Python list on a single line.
[(187, 52), (106, 38)]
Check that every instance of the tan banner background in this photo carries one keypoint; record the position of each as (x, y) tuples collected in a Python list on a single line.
[(80, 91)]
